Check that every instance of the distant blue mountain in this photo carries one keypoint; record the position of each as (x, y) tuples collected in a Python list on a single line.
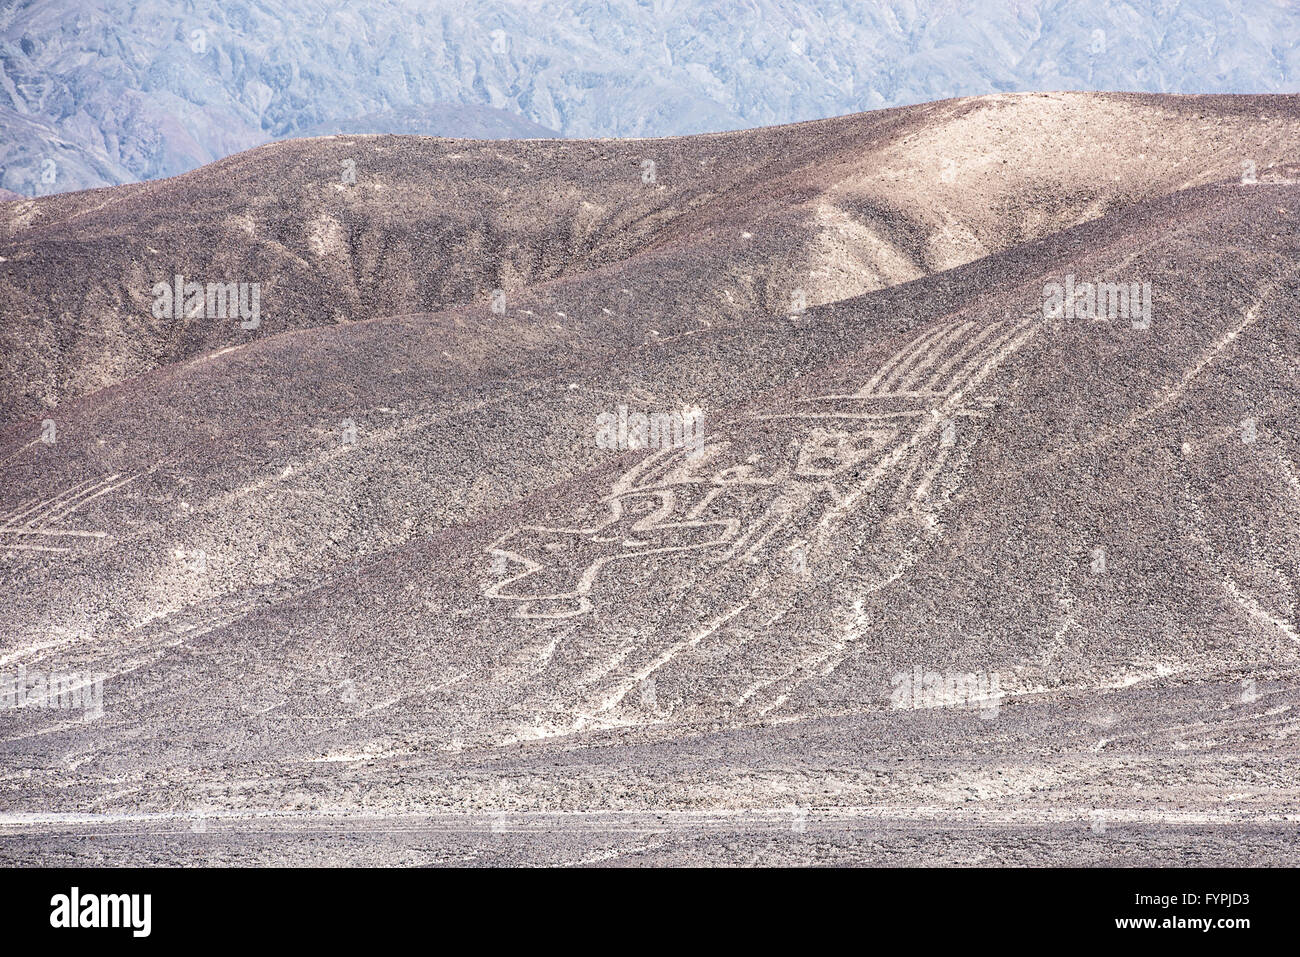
[(133, 89)]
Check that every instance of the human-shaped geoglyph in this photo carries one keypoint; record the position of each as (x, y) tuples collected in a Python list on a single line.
[(887, 444)]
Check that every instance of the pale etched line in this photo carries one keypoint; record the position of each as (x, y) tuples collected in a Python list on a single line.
[(889, 461), (893, 360), (962, 354), (905, 481), (704, 503), (623, 688), (945, 332), (651, 470), (912, 347), (923, 487), (914, 374), (611, 855), (782, 518), (1226, 340), (912, 394), (433, 688), (820, 654), (859, 398), (868, 416), (971, 345), (76, 533), (112, 488), (70, 504), (1257, 611), (25, 503), (52, 501), (752, 689), (837, 648), (816, 663), (64, 497), (20, 448), (1289, 471), (754, 527), (974, 364), (932, 351), (1206, 358), (876, 397)]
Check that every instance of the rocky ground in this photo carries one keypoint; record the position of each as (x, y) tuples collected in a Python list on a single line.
[(913, 571)]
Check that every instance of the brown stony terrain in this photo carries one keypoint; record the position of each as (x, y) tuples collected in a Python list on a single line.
[(366, 587)]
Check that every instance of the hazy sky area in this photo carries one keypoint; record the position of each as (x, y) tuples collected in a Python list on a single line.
[(139, 89)]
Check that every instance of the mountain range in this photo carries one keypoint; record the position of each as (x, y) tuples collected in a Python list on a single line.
[(125, 90)]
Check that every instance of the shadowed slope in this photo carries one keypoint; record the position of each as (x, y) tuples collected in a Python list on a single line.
[(472, 607), (830, 209)]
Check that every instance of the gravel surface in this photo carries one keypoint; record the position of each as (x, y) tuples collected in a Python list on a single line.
[(911, 572)]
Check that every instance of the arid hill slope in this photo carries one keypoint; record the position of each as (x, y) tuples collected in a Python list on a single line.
[(381, 575), (833, 207)]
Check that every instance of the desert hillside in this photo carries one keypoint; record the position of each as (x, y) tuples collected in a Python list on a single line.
[(398, 552), (349, 228)]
